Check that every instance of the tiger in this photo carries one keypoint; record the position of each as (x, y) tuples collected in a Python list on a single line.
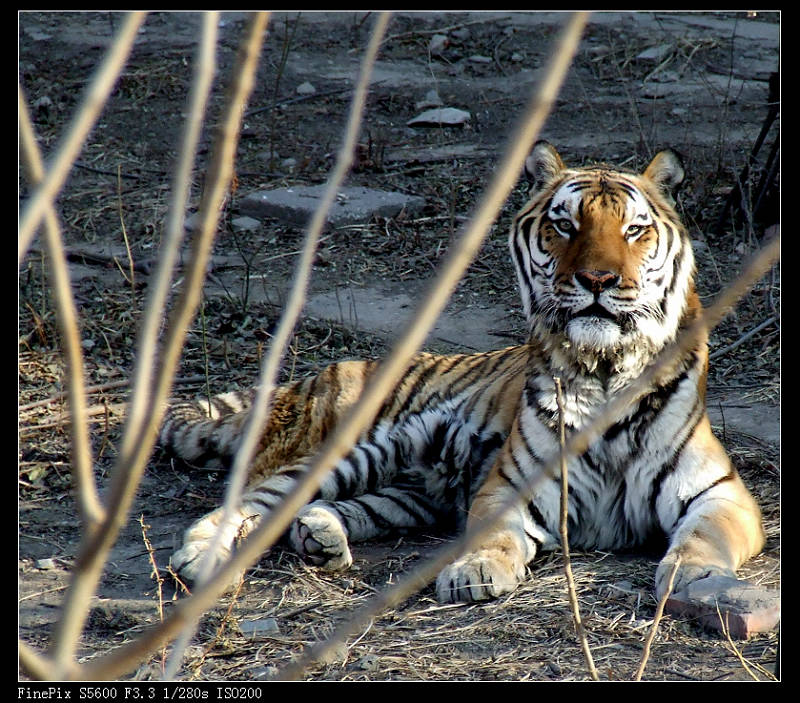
[(605, 271)]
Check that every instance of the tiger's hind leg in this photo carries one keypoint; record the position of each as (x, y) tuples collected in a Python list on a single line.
[(323, 530)]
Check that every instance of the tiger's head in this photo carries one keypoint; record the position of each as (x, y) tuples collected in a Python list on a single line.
[(605, 266)]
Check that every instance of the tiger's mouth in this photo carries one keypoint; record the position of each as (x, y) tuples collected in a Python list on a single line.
[(596, 310)]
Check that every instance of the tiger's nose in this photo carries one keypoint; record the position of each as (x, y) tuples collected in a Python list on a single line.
[(597, 281)]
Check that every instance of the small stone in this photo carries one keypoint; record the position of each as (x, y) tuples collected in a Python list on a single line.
[(442, 117), (259, 628), (623, 586), (265, 673), (368, 662), (245, 224), (438, 44), (38, 36), (656, 90), (598, 50), (306, 89), (45, 564), (42, 104), (430, 100), (191, 221), (655, 54), (745, 607), (480, 59)]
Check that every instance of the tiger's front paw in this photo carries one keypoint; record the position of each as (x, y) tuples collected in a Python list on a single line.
[(687, 573), (487, 573), (188, 562), (319, 535)]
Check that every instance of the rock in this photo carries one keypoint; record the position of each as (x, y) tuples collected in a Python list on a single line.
[(368, 662), (265, 673), (191, 222), (656, 54), (259, 628), (45, 564), (306, 89), (438, 44), (441, 117), (245, 224), (734, 411), (354, 205), (384, 311), (747, 608), (655, 90), (430, 100), (480, 59)]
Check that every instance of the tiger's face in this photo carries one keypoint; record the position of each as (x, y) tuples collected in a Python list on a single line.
[(602, 258)]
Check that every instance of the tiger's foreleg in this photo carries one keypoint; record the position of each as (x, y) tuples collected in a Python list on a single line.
[(718, 529), (498, 564)]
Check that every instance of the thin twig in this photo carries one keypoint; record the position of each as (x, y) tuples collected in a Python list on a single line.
[(156, 575), (222, 171), (151, 553), (723, 621), (747, 335), (100, 388), (573, 596), (125, 236), (656, 620)]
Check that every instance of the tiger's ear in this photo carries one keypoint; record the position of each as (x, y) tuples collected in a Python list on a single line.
[(666, 172), (543, 165)]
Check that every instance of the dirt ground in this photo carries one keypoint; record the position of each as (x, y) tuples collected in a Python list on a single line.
[(640, 81)]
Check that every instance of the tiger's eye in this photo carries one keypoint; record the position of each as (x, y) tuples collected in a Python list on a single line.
[(564, 226)]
